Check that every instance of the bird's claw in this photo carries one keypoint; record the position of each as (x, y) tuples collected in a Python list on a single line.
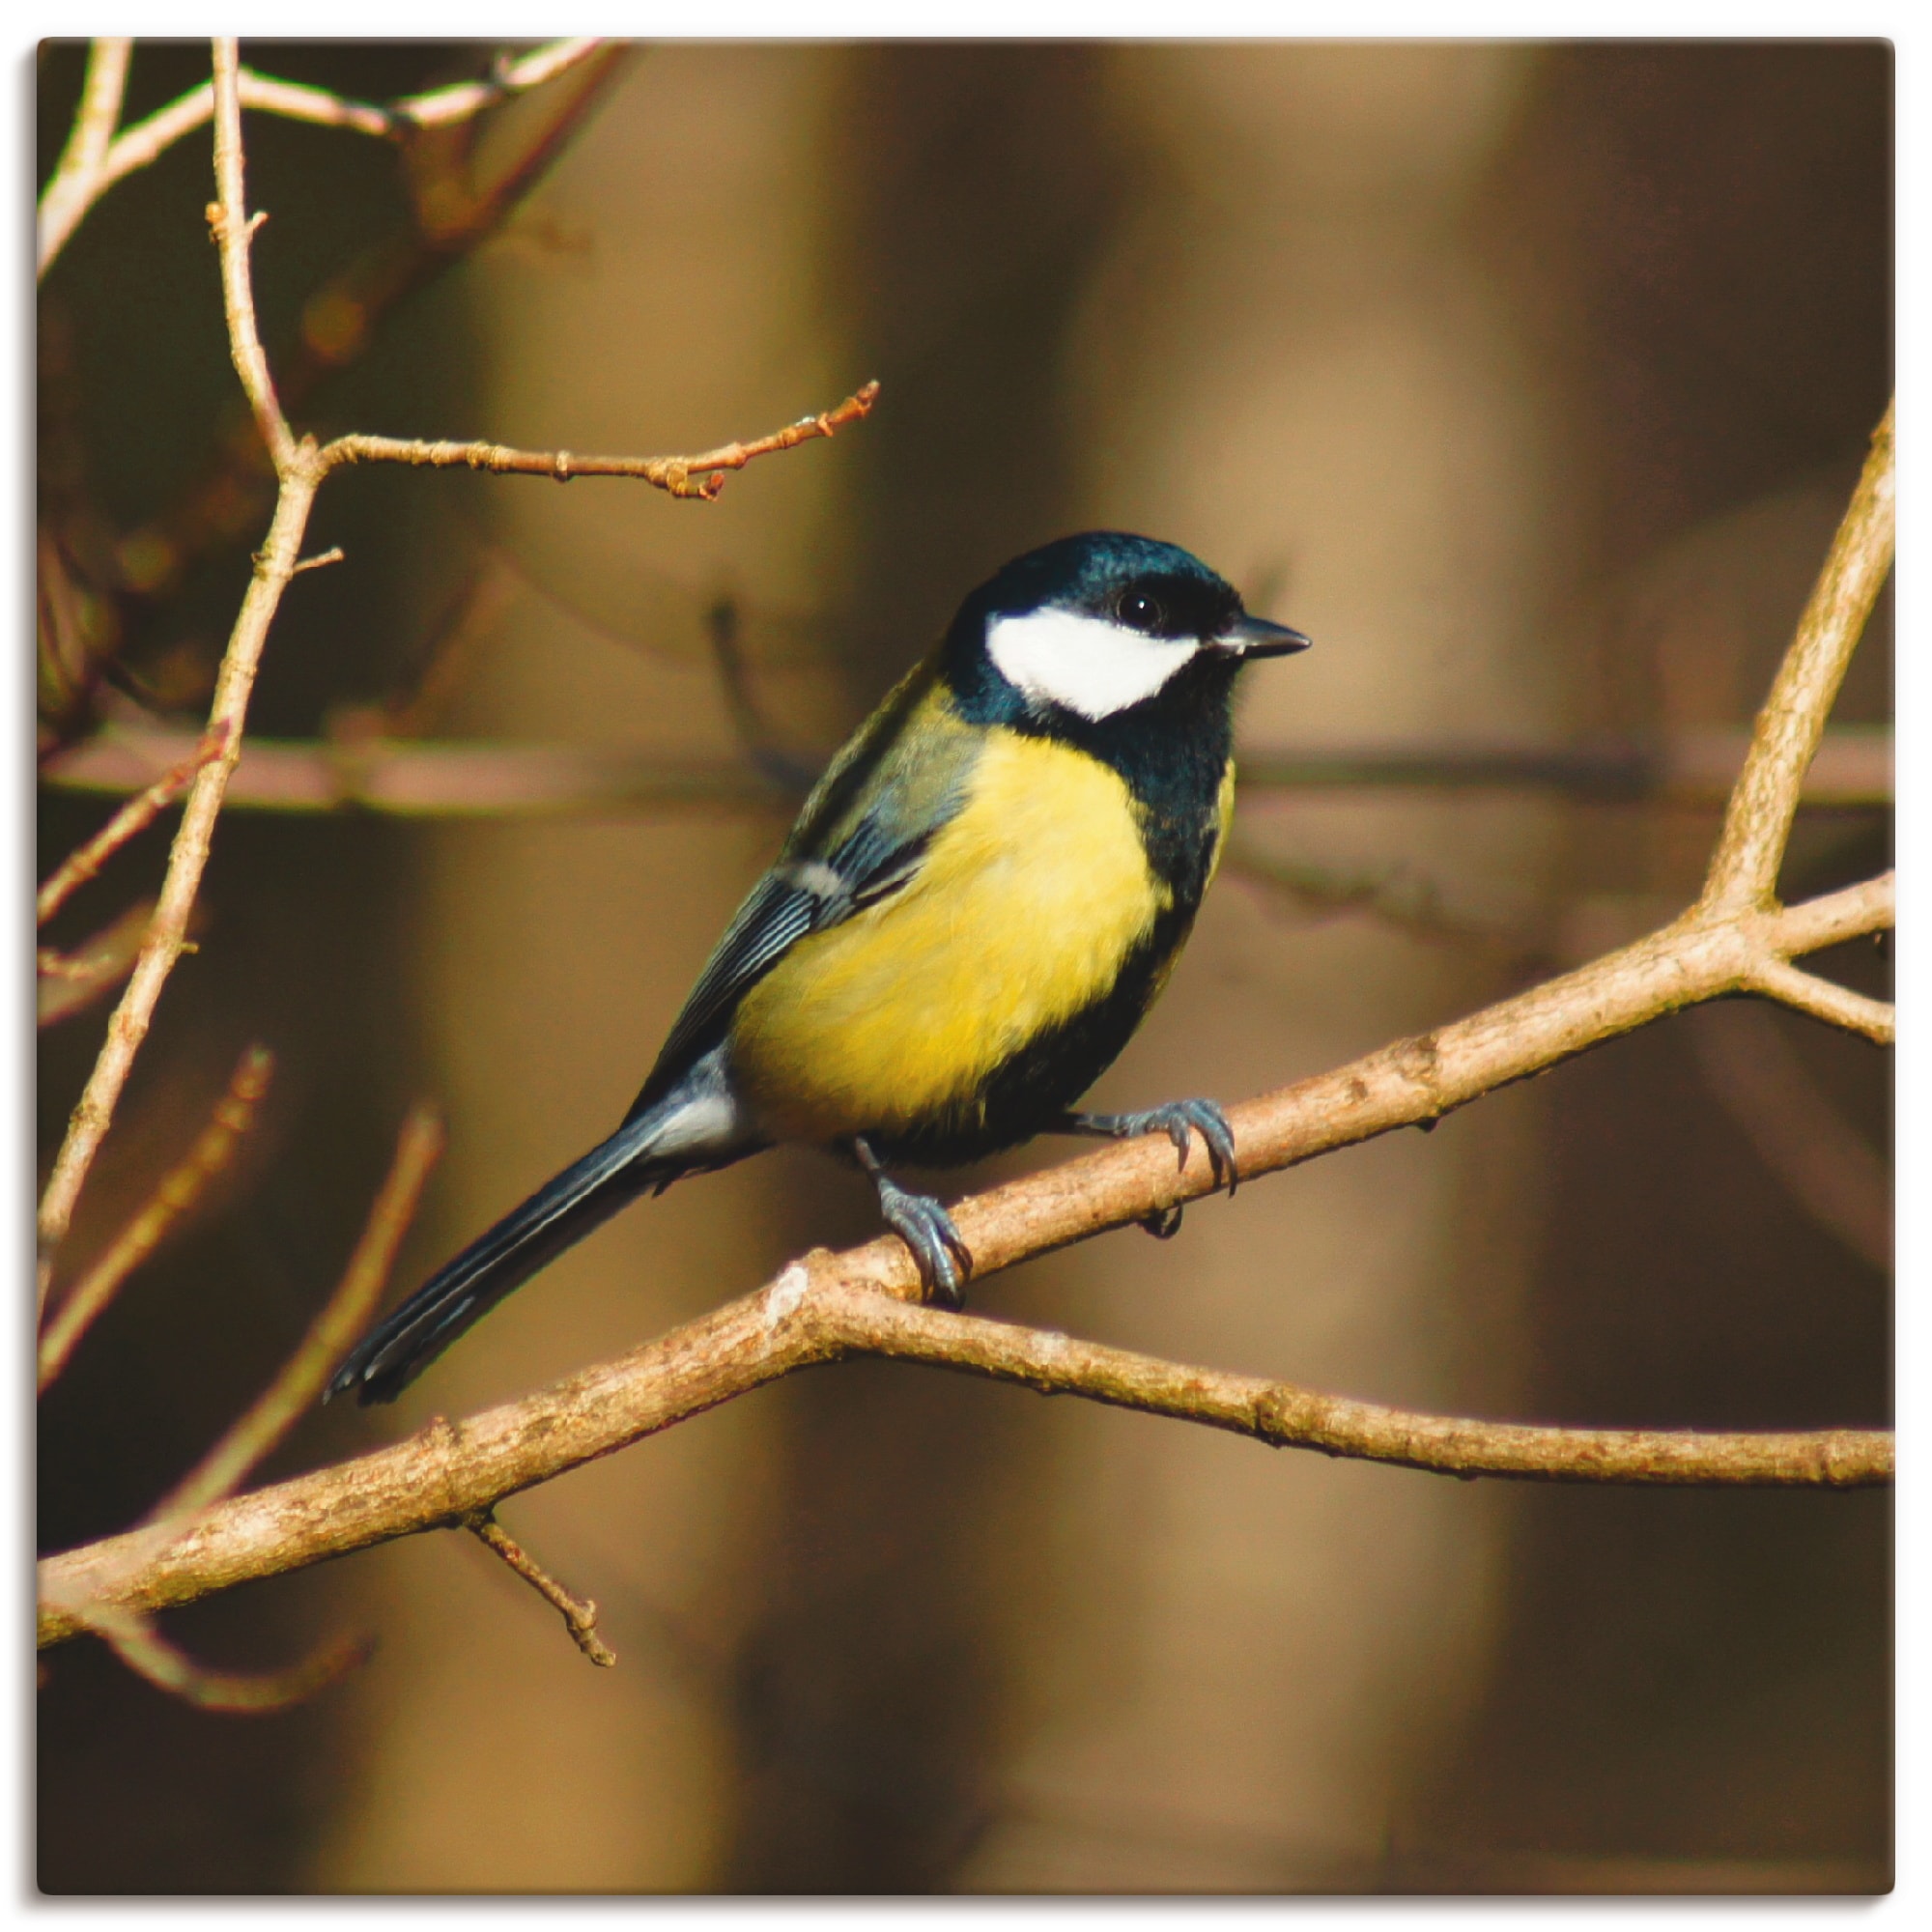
[(1177, 1120), (943, 1260)]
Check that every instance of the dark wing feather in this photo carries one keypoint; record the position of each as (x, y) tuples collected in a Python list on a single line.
[(861, 837), (774, 918), (780, 912)]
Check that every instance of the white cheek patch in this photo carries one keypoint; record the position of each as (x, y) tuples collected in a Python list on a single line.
[(1085, 664)]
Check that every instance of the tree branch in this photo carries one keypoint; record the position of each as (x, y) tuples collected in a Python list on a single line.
[(300, 468), (1823, 1000), (95, 1601), (234, 681), (416, 778)]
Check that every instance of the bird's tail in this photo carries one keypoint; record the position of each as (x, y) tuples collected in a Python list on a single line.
[(647, 1151)]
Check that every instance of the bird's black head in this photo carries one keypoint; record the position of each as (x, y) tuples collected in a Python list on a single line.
[(1100, 628)]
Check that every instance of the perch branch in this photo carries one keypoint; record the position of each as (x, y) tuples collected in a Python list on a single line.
[(828, 1307)]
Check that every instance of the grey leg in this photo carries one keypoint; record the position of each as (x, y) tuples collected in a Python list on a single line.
[(924, 1225)]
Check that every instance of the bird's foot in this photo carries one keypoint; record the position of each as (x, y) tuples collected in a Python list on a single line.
[(1177, 1120), (943, 1260)]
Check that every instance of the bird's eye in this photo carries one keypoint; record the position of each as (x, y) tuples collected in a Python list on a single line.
[(1141, 611)]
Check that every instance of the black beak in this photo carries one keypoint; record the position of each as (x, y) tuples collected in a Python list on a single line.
[(1256, 637)]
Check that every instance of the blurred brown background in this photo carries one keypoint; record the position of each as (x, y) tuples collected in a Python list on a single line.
[(1530, 382)]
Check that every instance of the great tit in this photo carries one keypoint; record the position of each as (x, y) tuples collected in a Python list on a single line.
[(980, 901)]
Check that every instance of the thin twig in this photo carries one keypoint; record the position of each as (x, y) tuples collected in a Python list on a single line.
[(701, 476), (255, 1433), (1824, 1000), (1824, 1163), (579, 1613), (457, 208), (86, 861), (66, 983), (97, 1602), (234, 231), (240, 1693), (178, 1193), (146, 140)]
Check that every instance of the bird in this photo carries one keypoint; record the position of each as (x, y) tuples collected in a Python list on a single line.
[(981, 899)]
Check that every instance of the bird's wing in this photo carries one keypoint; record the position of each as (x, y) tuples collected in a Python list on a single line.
[(861, 837)]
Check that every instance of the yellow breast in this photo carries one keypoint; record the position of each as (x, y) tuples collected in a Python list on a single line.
[(1026, 905)]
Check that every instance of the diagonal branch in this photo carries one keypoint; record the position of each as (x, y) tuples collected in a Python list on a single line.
[(579, 1613), (140, 811), (1744, 869), (96, 1600), (859, 1302), (80, 176), (180, 1189)]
